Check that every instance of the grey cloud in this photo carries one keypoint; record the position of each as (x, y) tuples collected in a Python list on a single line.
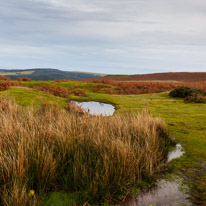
[(108, 35)]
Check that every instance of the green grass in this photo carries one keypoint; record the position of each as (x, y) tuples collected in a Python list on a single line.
[(59, 199), (26, 97), (187, 123)]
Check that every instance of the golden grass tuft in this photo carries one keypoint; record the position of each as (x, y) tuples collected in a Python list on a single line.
[(99, 157)]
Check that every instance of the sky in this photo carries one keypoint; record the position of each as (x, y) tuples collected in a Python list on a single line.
[(104, 36)]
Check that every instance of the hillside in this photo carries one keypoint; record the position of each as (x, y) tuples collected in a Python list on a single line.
[(47, 74), (173, 76)]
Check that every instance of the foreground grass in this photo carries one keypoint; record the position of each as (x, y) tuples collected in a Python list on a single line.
[(46, 148)]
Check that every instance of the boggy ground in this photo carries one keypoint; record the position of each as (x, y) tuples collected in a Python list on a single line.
[(187, 123)]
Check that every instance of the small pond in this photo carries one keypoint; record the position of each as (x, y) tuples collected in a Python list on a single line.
[(97, 108)]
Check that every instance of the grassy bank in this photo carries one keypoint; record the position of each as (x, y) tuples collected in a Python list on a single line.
[(48, 149)]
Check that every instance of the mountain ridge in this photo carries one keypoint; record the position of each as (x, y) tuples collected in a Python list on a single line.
[(47, 74)]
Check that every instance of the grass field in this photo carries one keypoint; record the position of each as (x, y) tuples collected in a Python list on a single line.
[(187, 123)]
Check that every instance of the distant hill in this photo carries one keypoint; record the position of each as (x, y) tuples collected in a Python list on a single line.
[(174, 76), (47, 74)]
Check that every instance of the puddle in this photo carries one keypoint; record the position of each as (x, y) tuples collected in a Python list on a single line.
[(175, 153), (97, 108), (166, 192)]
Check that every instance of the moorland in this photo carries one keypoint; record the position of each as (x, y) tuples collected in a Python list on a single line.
[(48, 146)]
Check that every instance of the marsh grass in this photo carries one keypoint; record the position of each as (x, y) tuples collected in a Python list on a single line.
[(99, 158)]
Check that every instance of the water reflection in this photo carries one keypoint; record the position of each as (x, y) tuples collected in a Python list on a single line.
[(166, 192), (97, 108), (175, 153)]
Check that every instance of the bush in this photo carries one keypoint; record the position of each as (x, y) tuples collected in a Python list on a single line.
[(25, 79), (189, 94), (72, 107), (197, 98), (184, 92), (78, 92), (4, 85), (4, 78), (53, 89), (181, 92)]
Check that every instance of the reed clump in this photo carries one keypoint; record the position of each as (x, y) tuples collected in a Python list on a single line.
[(97, 157)]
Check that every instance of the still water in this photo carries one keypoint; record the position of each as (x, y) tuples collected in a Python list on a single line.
[(97, 108), (166, 192)]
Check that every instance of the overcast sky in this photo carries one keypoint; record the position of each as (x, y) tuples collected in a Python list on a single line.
[(104, 36)]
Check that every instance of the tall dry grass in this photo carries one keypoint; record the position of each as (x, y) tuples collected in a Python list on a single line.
[(45, 149)]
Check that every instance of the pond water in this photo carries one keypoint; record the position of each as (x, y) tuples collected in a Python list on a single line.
[(97, 108), (175, 152), (166, 192)]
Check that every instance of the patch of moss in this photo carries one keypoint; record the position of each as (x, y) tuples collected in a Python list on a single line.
[(59, 199)]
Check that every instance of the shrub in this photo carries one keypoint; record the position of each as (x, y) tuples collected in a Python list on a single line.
[(189, 94), (62, 80), (57, 91), (72, 107), (4, 85), (182, 92), (78, 92), (197, 98), (25, 79), (4, 78)]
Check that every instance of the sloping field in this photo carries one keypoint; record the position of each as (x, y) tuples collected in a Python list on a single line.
[(176, 76)]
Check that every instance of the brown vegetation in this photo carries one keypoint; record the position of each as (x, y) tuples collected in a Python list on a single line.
[(54, 90), (173, 76), (62, 80), (61, 92), (116, 87), (99, 157), (72, 107), (78, 92), (197, 98), (4, 85), (4, 78), (25, 79)]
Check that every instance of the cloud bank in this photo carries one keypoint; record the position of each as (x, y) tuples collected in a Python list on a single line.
[(110, 36)]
